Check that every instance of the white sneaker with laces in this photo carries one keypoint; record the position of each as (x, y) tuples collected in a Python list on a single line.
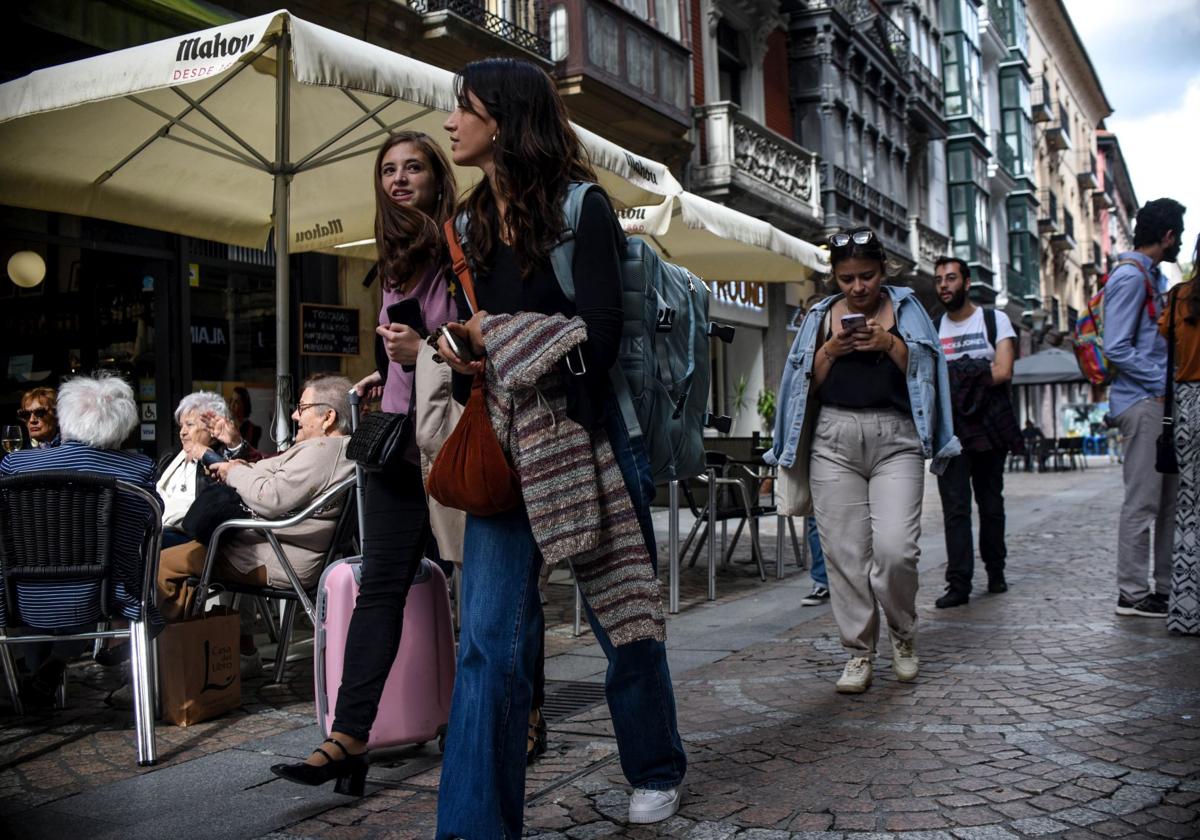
[(905, 664), (856, 676), (651, 806)]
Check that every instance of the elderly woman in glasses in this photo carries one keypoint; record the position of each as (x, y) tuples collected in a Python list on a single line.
[(864, 401), (271, 488), (205, 423), (39, 414)]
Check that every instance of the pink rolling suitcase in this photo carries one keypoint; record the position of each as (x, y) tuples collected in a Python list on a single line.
[(415, 705)]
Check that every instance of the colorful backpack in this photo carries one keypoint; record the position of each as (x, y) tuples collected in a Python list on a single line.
[(1089, 331)]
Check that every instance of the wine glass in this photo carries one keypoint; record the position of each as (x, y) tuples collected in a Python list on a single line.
[(11, 438)]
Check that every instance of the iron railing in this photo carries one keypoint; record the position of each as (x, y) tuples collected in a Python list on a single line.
[(524, 29)]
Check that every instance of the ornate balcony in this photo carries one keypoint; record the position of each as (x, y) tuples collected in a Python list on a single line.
[(1040, 100), (1047, 212), (1086, 170), (926, 101), (464, 30), (926, 245), (857, 191), (1064, 240), (621, 77), (757, 171)]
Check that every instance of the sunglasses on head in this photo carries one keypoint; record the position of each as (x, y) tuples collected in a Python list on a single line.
[(858, 237), (40, 413)]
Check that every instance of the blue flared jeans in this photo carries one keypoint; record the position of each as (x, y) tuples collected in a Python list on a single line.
[(482, 790)]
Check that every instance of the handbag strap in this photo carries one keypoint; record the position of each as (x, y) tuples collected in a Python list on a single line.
[(462, 268), (1168, 405)]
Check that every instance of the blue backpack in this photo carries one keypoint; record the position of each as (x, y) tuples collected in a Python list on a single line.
[(662, 374)]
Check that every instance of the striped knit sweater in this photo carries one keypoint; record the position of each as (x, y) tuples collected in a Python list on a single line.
[(575, 496)]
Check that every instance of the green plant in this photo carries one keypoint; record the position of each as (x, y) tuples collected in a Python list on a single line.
[(766, 409)]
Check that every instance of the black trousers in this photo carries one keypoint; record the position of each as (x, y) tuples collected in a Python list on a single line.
[(396, 529), (982, 472)]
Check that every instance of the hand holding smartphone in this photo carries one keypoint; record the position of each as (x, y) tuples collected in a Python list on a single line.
[(855, 322), (211, 457), (461, 346), (408, 313)]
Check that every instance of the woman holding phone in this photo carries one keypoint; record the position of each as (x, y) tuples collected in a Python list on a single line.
[(869, 360), (414, 194), (511, 123)]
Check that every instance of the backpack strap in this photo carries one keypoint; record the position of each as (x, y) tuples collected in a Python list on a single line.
[(462, 269), (562, 255), (989, 324), (937, 324), (1151, 309)]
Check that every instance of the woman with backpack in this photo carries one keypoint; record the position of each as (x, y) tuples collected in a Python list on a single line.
[(545, 361), (414, 194), (863, 403), (1180, 324)]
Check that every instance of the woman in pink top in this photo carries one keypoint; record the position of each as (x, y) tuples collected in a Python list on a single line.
[(414, 195)]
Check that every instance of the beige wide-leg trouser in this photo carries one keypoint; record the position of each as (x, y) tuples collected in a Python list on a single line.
[(867, 477)]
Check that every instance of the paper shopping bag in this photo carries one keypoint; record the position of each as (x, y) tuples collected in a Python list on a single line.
[(200, 667)]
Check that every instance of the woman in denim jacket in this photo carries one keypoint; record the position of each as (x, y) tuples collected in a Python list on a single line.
[(853, 454)]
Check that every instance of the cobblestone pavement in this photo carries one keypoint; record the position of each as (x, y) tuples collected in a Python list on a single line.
[(1038, 713)]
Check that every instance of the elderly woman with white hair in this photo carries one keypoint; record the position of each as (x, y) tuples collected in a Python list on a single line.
[(271, 488), (204, 423), (96, 415)]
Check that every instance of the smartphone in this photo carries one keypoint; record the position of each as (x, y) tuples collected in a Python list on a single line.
[(211, 456), (461, 348), (855, 321), (408, 312)]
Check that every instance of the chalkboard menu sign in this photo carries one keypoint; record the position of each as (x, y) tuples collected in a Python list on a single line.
[(328, 330)]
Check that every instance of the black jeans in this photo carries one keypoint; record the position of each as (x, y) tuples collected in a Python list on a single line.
[(396, 525), (983, 471)]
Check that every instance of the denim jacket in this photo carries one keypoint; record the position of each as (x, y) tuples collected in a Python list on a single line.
[(928, 383)]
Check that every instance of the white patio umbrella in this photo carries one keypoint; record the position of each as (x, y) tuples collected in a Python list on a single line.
[(266, 125), (719, 243)]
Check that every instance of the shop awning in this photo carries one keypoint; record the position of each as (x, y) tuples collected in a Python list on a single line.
[(720, 243), (1047, 367)]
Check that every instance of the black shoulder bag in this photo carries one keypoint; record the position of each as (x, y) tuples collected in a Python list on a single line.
[(1165, 459), (382, 439)]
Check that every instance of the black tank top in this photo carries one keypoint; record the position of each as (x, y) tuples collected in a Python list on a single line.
[(866, 379)]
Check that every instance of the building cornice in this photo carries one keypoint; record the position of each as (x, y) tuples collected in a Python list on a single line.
[(1051, 19)]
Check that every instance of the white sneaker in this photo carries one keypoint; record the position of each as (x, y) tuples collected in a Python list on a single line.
[(905, 664), (856, 677), (651, 806)]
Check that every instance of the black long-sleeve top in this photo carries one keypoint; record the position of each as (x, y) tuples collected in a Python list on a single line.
[(596, 265)]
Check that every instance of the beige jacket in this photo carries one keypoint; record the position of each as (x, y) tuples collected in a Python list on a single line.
[(280, 485)]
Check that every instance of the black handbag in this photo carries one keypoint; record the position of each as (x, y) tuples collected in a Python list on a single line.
[(1165, 459), (215, 504), (381, 440)]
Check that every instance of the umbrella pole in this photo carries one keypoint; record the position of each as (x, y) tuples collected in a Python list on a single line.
[(282, 433)]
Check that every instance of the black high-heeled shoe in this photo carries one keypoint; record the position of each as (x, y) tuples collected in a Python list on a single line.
[(349, 770)]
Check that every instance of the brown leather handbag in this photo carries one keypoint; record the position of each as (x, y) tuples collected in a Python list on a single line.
[(471, 472)]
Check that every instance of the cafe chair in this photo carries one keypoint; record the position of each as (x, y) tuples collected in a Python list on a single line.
[(56, 546)]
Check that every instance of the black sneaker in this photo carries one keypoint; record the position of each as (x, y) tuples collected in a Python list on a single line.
[(952, 598), (818, 596), (1151, 606), (997, 584)]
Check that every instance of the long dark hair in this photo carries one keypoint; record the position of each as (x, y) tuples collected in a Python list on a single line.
[(537, 155), (407, 239), (1193, 297)]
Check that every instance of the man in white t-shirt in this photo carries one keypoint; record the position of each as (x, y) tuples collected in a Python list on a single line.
[(980, 346)]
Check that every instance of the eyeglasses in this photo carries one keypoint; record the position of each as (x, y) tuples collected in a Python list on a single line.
[(40, 413), (858, 237), (302, 407)]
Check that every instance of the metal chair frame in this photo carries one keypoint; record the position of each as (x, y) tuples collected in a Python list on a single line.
[(207, 587), (143, 648)]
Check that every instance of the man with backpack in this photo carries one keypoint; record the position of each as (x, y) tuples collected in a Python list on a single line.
[(980, 347), (1133, 297)]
